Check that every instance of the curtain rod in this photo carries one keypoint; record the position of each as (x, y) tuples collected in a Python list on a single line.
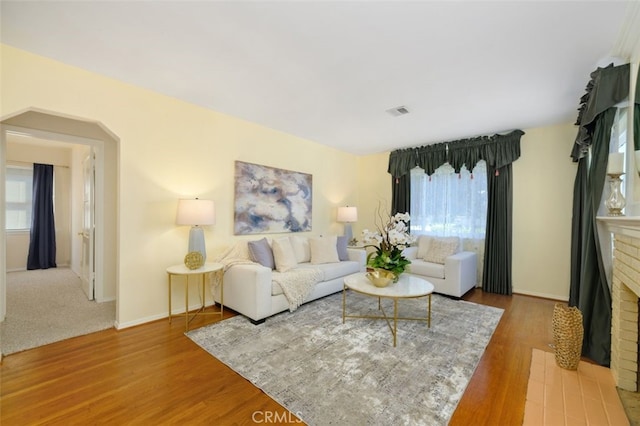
[(25, 163)]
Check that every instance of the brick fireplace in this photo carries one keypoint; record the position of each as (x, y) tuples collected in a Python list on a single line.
[(625, 292)]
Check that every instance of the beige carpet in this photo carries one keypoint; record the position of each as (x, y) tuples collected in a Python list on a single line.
[(46, 306)]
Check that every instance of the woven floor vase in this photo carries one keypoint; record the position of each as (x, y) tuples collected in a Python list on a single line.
[(567, 335)]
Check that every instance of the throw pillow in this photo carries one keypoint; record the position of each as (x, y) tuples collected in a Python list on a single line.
[(301, 248), (324, 250), (260, 251), (441, 248), (283, 254), (424, 241), (341, 245)]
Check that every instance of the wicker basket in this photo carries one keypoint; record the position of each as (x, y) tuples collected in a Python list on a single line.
[(567, 335)]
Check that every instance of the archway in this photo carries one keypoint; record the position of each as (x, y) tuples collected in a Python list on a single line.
[(49, 125)]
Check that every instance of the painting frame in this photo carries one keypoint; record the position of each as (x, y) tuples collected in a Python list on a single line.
[(270, 200)]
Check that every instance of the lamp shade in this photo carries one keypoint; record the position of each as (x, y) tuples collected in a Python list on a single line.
[(347, 214), (196, 212)]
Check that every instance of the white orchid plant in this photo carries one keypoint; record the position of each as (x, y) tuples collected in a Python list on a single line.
[(391, 238)]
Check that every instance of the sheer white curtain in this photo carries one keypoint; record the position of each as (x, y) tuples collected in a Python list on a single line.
[(451, 204)]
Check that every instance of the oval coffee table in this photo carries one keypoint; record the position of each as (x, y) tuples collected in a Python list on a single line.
[(407, 287)]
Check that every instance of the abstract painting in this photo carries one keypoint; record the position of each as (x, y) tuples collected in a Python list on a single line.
[(271, 200)]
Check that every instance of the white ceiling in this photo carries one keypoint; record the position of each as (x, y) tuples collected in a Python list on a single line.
[(328, 71)]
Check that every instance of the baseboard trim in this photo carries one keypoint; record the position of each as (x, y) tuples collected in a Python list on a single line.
[(174, 312), (542, 295)]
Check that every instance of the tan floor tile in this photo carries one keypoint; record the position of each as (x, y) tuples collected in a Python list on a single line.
[(537, 356), (533, 414), (604, 376), (610, 395), (537, 372), (574, 406), (594, 409), (535, 391), (573, 421), (616, 415), (553, 417), (553, 375), (553, 397), (590, 388)]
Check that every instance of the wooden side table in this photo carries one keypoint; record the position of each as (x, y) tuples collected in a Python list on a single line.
[(207, 269)]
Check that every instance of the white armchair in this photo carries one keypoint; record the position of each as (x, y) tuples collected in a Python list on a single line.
[(454, 278)]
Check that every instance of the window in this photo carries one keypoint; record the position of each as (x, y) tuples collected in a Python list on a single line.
[(449, 204), (18, 197)]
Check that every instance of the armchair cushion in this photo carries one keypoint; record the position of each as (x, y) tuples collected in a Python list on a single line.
[(441, 248)]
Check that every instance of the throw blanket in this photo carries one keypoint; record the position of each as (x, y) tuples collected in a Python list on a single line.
[(296, 284)]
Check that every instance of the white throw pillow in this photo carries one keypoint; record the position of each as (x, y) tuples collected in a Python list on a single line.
[(301, 248), (424, 241), (324, 250), (283, 254), (441, 248)]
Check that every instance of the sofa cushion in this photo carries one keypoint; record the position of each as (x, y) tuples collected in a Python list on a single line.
[(342, 242), (260, 251), (283, 254), (301, 248), (426, 269), (324, 250), (441, 248), (331, 271)]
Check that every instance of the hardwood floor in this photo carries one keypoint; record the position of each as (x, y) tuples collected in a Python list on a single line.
[(153, 374)]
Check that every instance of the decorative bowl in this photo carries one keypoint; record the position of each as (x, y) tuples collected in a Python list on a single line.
[(381, 277)]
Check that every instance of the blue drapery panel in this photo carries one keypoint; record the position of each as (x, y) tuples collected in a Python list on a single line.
[(42, 245)]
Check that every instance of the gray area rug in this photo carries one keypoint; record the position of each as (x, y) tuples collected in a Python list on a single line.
[(46, 306), (327, 372)]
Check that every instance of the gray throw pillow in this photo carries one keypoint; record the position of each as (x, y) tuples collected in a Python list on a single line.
[(341, 245), (261, 252)]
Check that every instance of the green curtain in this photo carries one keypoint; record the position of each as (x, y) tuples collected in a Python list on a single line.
[(589, 290), (496, 276), (499, 151)]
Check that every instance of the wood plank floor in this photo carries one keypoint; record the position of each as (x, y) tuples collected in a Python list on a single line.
[(153, 374)]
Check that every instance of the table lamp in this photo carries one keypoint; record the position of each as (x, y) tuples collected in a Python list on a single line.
[(347, 215), (196, 213)]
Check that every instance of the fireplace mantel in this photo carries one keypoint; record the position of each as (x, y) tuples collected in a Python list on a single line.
[(625, 225)]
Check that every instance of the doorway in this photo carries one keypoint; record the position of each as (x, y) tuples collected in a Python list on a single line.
[(51, 126)]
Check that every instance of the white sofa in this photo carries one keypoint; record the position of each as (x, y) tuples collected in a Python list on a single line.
[(250, 290), (455, 276)]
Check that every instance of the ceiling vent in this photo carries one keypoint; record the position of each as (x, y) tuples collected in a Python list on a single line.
[(398, 111)]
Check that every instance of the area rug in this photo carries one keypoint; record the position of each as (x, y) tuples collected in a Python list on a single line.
[(327, 372)]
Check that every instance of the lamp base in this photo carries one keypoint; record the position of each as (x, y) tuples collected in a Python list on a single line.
[(348, 232), (196, 241)]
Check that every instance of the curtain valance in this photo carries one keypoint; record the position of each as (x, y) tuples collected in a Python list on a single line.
[(497, 151), (608, 86)]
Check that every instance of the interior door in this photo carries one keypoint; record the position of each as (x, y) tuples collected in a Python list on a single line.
[(88, 227)]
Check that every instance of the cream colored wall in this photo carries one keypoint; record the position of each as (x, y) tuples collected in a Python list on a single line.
[(170, 149), (19, 152), (543, 180)]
